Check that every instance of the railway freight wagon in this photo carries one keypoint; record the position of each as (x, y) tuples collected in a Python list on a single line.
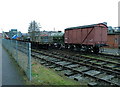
[(48, 40), (87, 38)]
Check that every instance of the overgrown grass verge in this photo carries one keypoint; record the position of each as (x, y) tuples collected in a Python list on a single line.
[(45, 76)]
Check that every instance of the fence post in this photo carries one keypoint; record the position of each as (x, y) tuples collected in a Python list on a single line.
[(29, 61), (17, 51)]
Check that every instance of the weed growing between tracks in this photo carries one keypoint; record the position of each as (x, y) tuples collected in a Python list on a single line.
[(45, 76)]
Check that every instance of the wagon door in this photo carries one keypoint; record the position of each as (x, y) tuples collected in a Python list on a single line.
[(100, 35), (78, 36)]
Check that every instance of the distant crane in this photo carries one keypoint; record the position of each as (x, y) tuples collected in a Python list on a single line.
[(5, 35)]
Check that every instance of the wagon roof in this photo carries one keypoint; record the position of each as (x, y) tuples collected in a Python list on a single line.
[(85, 26)]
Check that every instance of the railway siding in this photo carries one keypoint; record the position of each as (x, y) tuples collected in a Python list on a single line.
[(72, 65), (87, 63), (63, 62)]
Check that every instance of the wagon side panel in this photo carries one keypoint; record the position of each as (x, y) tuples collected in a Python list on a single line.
[(78, 36), (100, 34)]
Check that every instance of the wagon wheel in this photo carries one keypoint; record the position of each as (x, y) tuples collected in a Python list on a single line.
[(96, 49)]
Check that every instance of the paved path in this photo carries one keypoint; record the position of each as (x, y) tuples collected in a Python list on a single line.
[(10, 73), (0, 63)]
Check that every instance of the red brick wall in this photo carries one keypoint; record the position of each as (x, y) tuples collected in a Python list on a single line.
[(112, 40)]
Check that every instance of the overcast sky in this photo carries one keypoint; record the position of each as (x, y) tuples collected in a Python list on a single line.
[(17, 14)]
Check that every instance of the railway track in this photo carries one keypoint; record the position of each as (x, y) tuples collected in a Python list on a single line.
[(108, 64), (110, 56), (72, 64), (80, 67), (100, 57)]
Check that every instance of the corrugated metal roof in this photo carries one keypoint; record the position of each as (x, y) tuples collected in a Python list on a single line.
[(13, 29), (57, 34)]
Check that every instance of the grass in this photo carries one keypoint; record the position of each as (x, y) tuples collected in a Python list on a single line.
[(45, 76)]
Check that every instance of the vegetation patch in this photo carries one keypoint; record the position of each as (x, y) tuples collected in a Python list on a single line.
[(45, 76)]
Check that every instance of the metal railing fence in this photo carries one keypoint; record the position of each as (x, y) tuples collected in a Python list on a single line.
[(21, 52)]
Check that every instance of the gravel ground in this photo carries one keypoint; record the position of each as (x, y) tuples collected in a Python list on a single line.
[(114, 51)]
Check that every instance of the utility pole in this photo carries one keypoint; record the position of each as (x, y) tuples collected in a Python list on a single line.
[(54, 28)]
